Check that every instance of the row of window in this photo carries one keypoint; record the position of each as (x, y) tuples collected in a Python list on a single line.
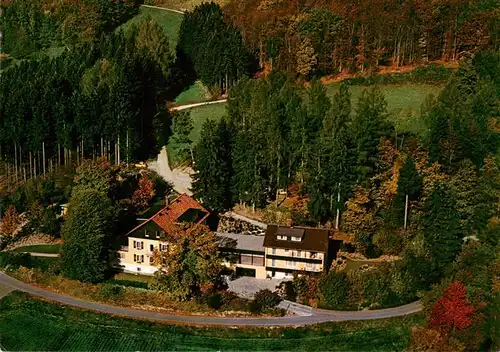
[(285, 238), (293, 264), (140, 245), (148, 234), (139, 258), (298, 253)]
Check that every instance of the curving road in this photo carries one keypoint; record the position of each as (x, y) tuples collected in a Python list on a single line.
[(317, 316)]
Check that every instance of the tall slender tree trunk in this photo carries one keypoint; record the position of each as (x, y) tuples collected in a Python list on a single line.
[(44, 161), (337, 218), (31, 166), (406, 212), (15, 160), (128, 150), (119, 156)]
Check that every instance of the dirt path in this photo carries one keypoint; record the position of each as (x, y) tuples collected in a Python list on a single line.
[(162, 8), (189, 106), (181, 180)]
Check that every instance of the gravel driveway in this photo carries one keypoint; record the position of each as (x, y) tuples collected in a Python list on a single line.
[(247, 287)]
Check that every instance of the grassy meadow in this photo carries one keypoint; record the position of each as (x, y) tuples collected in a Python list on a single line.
[(404, 102), (28, 324), (170, 22), (199, 115), (197, 93)]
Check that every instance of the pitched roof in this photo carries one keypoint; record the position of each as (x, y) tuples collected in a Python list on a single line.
[(313, 239), (183, 208)]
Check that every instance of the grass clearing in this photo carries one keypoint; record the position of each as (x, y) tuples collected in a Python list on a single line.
[(404, 102), (199, 115), (40, 248), (28, 324), (197, 93), (170, 22)]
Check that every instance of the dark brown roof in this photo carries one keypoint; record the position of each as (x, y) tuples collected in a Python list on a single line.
[(312, 240)]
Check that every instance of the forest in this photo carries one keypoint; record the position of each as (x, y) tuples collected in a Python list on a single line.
[(318, 37), (431, 199)]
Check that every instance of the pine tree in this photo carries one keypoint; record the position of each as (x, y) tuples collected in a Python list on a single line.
[(368, 126), (409, 185), (441, 230), (212, 181), (182, 126)]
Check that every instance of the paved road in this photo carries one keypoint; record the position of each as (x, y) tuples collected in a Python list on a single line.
[(317, 316)]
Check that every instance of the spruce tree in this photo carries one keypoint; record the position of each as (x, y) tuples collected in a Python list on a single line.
[(368, 127), (212, 181), (409, 185), (441, 230)]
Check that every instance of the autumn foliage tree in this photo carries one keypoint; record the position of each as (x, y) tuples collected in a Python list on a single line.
[(145, 192), (452, 311), (10, 223), (191, 263)]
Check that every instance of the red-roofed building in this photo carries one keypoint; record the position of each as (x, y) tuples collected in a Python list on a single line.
[(153, 234)]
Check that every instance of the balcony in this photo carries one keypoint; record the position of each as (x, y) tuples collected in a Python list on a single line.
[(124, 248)]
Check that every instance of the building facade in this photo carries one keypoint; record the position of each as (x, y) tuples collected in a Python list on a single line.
[(136, 253), (290, 250)]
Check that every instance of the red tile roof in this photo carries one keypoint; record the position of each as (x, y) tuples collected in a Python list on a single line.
[(168, 216)]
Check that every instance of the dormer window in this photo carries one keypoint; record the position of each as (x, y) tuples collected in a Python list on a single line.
[(283, 238), (146, 233), (296, 239)]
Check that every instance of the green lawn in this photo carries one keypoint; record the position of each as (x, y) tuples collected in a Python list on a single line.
[(356, 264), (197, 93), (403, 101), (199, 115), (41, 248), (133, 277), (168, 20), (27, 324)]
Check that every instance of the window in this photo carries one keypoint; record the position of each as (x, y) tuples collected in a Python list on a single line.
[(151, 247), (290, 263), (164, 247), (287, 251), (135, 257), (141, 245), (151, 260), (273, 263), (135, 244), (282, 238), (142, 258), (309, 265), (296, 239), (312, 255), (299, 254), (157, 234), (274, 251)]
